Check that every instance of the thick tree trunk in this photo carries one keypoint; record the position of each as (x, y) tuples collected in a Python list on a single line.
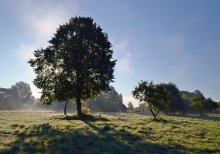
[(78, 95), (65, 108), (78, 105)]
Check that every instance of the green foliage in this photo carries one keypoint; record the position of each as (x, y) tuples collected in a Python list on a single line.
[(32, 132), (195, 102), (76, 65), (155, 95), (176, 103), (198, 101), (203, 104), (210, 105), (187, 100)]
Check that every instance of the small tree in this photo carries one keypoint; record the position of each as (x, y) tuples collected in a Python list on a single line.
[(154, 95), (77, 64)]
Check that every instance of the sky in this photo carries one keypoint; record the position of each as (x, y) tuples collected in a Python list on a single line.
[(156, 40)]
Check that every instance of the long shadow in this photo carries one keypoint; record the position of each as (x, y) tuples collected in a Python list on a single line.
[(126, 142), (107, 138), (88, 117), (46, 139)]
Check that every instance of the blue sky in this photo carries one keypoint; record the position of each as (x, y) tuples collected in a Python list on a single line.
[(163, 41)]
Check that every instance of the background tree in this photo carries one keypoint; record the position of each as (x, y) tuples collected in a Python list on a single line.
[(218, 109), (110, 101), (21, 91), (155, 95), (186, 97), (142, 108), (130, 106), (76, 65), (210, 105), (198, 101), (56, 106), (176, 103), (4, 95), (19, 96)]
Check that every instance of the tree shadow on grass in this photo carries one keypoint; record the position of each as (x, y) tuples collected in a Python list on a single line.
[(107, 138), (45, 138), (86, 117)]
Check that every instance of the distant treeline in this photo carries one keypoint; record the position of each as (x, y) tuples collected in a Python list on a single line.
[(19, 96), (110, 101), (182, 102)]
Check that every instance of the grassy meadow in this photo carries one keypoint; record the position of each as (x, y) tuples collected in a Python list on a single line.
[(49, 132)]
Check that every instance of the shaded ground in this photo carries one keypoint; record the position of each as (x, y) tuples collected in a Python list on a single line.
[(42, 132)]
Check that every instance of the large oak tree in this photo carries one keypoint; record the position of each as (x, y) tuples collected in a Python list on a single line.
[(76, 65)]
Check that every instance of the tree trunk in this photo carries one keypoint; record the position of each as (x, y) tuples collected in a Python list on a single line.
[(65, 108), (154, 114), (78, 95), (78, 105)]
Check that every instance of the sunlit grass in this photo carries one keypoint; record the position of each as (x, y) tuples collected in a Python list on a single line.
[(47, 132)]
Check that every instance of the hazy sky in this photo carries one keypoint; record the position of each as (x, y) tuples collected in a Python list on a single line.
[(159, 40)]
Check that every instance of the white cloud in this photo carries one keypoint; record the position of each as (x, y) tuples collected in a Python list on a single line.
[(131, 99), (43, 20), (125, 59), (124, 64), (26, 52)]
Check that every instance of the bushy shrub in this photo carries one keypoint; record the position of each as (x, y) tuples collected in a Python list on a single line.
[(85, 110)]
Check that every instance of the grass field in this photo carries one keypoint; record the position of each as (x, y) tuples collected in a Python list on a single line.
[(48, 132)]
